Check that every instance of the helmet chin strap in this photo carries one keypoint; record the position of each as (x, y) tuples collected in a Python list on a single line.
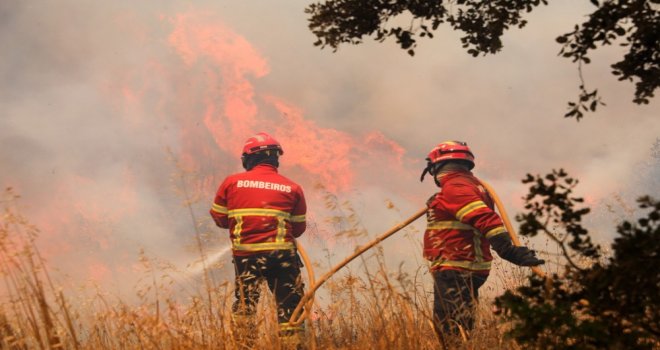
[(432, 169), (426, 170), (436, 180)]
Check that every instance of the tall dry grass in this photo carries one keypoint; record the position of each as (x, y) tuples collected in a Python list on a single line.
[(372, 308)]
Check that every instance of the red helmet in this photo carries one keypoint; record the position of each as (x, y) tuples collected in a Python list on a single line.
[(451, 150), (261, 142), (445, 151)]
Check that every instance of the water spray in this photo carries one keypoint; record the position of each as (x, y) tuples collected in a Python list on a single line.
[(200, 265)]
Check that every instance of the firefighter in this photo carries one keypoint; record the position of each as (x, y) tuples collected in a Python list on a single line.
[(264, 212), (462, 226)]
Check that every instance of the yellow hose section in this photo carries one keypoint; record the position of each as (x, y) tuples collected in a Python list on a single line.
[(295, 320), (507, 224), (310, 277), (308, 298)]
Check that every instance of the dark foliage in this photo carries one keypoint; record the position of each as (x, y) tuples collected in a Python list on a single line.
[(483, 22), (613, 304), (635, 23), (552, 210)]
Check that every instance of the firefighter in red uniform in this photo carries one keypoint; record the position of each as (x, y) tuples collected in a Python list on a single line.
[(461, 228), (264, 212)]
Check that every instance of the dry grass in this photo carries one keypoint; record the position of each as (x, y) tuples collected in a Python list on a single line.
[(372, 309)]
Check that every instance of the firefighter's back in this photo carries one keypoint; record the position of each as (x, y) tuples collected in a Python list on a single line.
[(264, 209)]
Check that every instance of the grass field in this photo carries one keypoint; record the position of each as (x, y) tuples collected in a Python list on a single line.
[(370, 309)]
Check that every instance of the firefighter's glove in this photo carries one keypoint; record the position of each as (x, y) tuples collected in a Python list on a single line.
[(521, 256)]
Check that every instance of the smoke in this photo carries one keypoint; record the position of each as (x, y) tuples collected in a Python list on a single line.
[(119, 120)]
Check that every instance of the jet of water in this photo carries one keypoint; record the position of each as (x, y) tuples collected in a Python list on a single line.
[(207, 261)]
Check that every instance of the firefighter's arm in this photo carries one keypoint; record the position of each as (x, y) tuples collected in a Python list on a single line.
[(298, 215), (472, 210), (219, 208), (521, 256), (465, 202)]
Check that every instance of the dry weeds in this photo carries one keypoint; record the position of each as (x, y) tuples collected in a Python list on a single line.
[(372, 309)]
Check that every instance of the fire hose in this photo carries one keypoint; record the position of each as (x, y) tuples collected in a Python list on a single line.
[(295, 320), (308, 299), (507, 224)]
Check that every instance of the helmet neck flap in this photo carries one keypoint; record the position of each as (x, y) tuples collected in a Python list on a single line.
[(264, 157)]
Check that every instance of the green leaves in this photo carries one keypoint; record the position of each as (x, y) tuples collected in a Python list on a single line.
[(588, 101), (483, 23), (337, 22), (552, 210), (613, 304), (638, 24)]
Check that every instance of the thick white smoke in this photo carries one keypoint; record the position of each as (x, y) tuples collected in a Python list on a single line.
[(105, 123)]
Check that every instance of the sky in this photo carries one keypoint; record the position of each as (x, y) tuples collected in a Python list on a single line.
[(119, 119)]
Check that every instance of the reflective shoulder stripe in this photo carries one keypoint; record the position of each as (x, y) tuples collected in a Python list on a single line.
[(469, 265), (258, 212), (255, 247), (297, 218), (445, 225), (219, 208), (495, 231), (470, 207)]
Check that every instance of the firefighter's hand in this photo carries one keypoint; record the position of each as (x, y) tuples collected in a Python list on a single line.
[(521, 256), (524, 256)]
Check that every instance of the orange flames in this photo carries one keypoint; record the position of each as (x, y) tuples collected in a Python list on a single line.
[(234, 110), (201, 103)]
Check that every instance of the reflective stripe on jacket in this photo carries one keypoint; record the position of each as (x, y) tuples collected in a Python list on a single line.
[(262, 209), (460, 219)]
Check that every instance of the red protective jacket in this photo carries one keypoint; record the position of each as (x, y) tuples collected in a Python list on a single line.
[(262, 209), (460, 219)]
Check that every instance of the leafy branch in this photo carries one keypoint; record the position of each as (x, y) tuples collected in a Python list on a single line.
[(635, 24), (550, 206), (613, 304)]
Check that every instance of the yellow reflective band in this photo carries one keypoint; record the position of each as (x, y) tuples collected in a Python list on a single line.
[(219, 208), (255, 247), (258, 212), (282, 218), (286, 326), (448, 225), (237, 230), (495, 231), (297, 218), (470, 208), (281, 230), (469, 265)]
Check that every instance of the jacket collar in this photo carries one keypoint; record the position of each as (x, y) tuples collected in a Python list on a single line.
[(263, 167), (443, 176)]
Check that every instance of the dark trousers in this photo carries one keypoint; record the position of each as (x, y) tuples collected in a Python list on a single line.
[(280, 269), (455, 296)]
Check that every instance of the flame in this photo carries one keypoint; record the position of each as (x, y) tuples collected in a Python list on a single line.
[(81, 216), (202, 101), (232, 60), (234, 110)]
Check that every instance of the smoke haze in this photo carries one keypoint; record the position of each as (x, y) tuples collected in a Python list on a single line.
[(119, 119)]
